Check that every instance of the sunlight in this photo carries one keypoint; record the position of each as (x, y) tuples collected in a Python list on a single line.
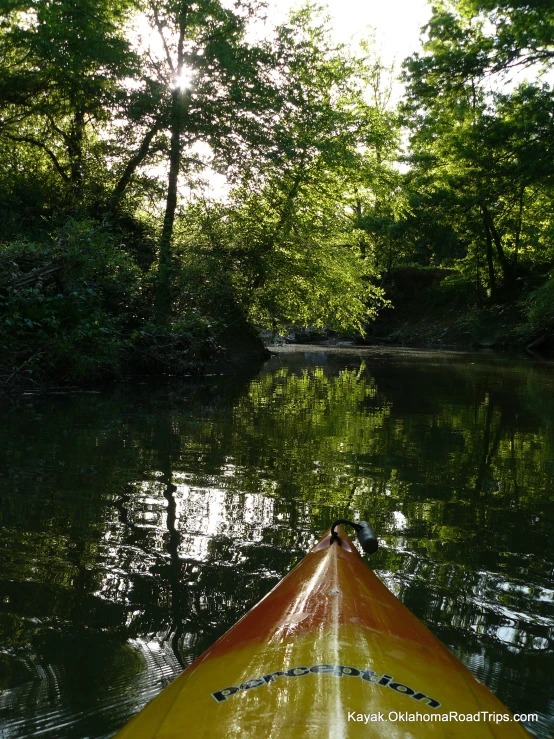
[(184, 80), (396, 23)]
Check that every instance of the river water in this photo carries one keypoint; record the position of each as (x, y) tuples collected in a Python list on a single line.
[(140, 522)]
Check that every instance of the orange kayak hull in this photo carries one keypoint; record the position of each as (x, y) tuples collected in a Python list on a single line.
[(329, 652)]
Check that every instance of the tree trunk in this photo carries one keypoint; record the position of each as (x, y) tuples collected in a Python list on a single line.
[(490, 261), (478, 279), (163, 293), (282, 229), (75, 151), (164, 298), (507, 265), (519, 224), (358, 212)]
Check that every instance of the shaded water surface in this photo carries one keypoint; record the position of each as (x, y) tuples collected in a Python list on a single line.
[(138, 524)]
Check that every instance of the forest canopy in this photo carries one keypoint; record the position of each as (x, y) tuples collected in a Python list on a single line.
[(120, 249)]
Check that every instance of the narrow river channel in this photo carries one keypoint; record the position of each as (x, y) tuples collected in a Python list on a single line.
[(140, 522)]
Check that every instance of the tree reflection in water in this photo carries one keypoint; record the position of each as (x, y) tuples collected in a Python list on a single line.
[(139, 524)]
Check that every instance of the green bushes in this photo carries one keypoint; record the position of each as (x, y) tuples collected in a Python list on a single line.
[(177, 347), (78, 308), (65, 304), (540, 306), (456, 291)]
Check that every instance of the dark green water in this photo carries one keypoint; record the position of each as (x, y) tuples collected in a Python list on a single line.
[(139, 523)]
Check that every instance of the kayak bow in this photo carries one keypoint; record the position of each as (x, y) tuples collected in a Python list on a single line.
[(329, 652)]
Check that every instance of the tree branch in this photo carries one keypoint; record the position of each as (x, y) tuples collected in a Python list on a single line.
[(40, 145), (159, 28), (132, 165)]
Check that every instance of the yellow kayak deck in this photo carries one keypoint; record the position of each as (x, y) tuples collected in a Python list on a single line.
[(330, 652)]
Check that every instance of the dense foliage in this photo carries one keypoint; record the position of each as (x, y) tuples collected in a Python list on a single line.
[(480, 114), (116, 254), (118, 118)]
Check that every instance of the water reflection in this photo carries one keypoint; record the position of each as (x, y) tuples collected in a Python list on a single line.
[(139, 524)]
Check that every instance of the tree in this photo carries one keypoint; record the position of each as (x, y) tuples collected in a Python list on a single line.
[(62, 75), (288, 235), (485, 148), (211, 78), (378, 200), (522, 32)]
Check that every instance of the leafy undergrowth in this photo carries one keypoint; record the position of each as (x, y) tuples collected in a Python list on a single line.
[(78, 309)]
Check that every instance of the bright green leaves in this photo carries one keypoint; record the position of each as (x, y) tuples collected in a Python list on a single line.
[(479, 150), (523, 32), (289, 220), (285, 249), (63, 66), (119, 106)]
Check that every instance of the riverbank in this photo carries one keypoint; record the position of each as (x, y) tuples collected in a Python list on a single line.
[(445, 314), (233, 350), (57, 348)]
